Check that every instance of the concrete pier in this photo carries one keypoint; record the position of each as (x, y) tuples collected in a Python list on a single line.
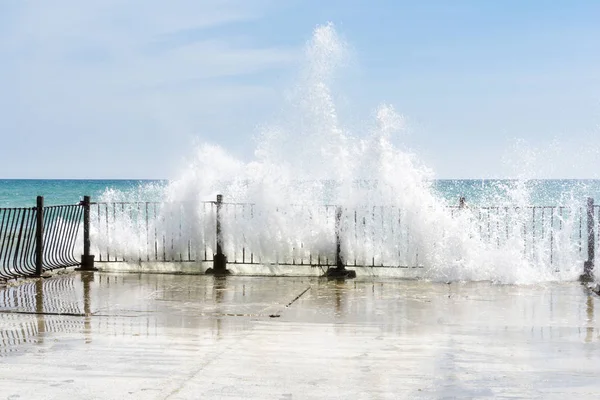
[(146, 336)]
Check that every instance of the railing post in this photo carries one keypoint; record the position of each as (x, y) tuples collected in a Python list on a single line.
[(340, 270), (219, 259), (39, 236), (588, 266), (87, 259), (339, 264)]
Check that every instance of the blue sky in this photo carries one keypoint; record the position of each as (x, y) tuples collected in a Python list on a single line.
[(122, 89)]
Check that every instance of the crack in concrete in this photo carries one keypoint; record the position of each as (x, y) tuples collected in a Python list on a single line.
[(278, 313)]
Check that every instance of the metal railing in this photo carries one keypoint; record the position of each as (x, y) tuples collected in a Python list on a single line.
[(146, 231), (327, 235), (38, 239)]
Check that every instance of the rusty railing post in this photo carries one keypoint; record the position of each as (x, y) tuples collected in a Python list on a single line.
[(339, 271), (39, 236), (87, 259), (588, 266), (219, 259)]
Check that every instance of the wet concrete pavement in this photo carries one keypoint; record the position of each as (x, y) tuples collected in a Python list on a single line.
[(133, 336)]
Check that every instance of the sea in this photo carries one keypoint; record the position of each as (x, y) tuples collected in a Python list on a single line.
[(481, 192), (23, 192)]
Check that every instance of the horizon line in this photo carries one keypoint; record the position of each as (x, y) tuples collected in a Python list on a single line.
[(168, 180)]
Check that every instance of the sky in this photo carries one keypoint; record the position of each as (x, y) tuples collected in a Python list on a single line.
[(125, 89)]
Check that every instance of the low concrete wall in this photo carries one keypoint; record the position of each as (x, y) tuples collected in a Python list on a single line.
[(251, 269)]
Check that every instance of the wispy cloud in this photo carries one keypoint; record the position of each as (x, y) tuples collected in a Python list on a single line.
[(72, 66), (133, 44)]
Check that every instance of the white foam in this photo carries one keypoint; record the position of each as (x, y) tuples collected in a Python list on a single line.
[(310, 158)]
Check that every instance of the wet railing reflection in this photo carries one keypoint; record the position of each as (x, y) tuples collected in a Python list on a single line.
[(34, 308), (543, 312), (93, 306), (590, 337)]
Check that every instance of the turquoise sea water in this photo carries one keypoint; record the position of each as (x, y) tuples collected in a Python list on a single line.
[(23, 192)]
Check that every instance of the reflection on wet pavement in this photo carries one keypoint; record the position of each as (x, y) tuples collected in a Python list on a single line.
[(172, 336), (132, 304)]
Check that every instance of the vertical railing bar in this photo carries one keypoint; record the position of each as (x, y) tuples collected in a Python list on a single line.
[(49, 237), (155, 232), (66, 240), (66, 237), (68, 232), (560, 218), (61, 243), (107, 232), (373, 235), (169, 230), (11, 236), (318, 251), (489, 228), (26, 239), (580, 230), (382, 234), (543, 221), (79, 212), (10, 243), (233, 238), (189, 240), (15, 255), (598, 223), (205, 244), (4, 235), (399, 236), (123, 217), (179, 241), (507, 220), (391, 222), (62, 231), (99, 230), (479, 222), (146, 217), (355, 235), (163, 235), (552, 210), (30, 255), (408, 241), (533, 244), (29, 233), (138, 226), (524, 231), (244, 236), (302, 253), (114, 212)]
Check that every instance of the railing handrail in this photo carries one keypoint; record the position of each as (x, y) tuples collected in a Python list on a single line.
[(474, 206)]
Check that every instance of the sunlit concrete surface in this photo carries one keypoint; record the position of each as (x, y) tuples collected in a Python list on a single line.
[(132, 336)]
